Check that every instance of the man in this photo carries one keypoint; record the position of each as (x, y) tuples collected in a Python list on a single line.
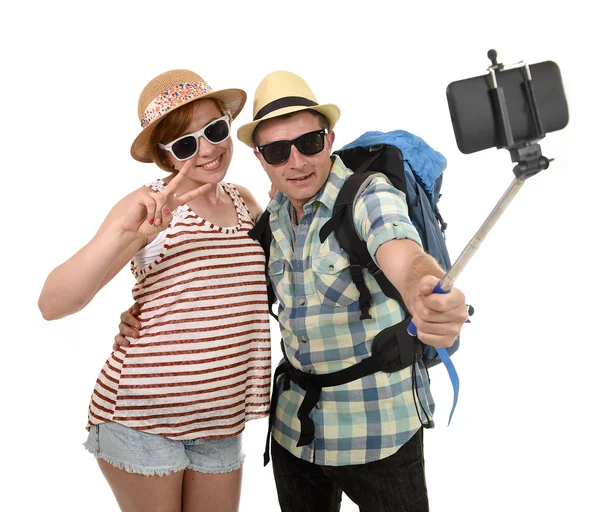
[(364, 436)]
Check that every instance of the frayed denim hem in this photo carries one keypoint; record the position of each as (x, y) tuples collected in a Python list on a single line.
[(217, 471), (134, 469)]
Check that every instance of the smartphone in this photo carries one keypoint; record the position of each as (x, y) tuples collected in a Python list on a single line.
[(473, 116)]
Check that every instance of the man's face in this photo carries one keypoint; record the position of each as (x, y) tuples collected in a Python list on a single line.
[(301, 176)]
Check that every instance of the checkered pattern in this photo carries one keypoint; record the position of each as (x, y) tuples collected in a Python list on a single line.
[(370, 418)]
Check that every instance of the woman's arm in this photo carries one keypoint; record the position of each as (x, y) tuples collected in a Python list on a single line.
[(73, 284), (133, 221)]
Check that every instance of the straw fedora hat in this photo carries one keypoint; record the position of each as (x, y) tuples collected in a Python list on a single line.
[(170, 91), (280, 93)]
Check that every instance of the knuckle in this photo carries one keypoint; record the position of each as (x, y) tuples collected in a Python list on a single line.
[(426, 315), (416, 320)]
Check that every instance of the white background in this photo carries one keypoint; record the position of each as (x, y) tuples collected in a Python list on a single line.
[(524, 435)]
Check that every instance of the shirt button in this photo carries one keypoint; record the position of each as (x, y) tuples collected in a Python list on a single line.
[(319, 405), (396, 223), (331, 267), (311, 371), (302, 302), (304, 339)]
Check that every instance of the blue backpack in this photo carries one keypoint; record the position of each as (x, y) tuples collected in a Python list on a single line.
[(413, 167)]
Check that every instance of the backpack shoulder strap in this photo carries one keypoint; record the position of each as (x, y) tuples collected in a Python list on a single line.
[(342, 224), (260, 227), (261, 232)]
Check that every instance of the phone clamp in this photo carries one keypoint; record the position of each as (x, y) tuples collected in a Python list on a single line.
[(527, 153)]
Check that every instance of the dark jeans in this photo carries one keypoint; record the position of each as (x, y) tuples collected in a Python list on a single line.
[(396, 483)]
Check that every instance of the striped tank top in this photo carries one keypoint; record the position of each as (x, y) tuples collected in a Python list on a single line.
[(201, 366)]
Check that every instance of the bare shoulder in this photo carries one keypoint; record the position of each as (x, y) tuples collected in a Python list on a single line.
[(251, 202)]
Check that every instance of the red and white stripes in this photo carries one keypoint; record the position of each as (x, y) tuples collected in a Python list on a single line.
[(202, 364)]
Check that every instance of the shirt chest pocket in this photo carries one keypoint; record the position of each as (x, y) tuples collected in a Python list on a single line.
[(276, 273), (333, 280)]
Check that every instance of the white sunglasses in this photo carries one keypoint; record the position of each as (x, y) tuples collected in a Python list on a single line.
[(186, 147)]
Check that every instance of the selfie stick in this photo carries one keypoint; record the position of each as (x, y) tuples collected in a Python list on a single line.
[(530, 162)]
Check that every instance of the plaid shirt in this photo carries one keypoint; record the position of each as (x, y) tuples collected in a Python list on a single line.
[(370, 418)]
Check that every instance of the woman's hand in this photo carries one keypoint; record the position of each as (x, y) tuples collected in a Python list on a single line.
[(151, 211)]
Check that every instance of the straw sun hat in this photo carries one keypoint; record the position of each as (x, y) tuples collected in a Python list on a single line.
[(282, 93), (170, 91)]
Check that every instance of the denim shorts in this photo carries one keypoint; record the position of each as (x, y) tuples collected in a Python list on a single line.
[(151, 454)]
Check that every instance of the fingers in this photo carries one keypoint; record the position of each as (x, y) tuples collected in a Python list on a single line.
[(438, 330), (163, 215), (193, 194), (129, 325), (174, 184), (450, 327), (438, 317), (168, 197), (158, 212), (176, 181), (120, 341), (160, 201), (150, 205), (432, 316), (135, 309), (441, 302), (427, 285), (125, 329), (436, 340)]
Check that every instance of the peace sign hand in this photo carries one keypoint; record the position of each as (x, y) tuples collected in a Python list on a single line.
[(150, 212)]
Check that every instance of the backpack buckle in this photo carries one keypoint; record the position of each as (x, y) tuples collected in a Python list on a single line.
[(356, 271), (373, 269)]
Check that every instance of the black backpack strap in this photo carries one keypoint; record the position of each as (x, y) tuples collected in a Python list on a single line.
[(342, 223), (393, 350), (260, 227), (348, 193), (261, 232)]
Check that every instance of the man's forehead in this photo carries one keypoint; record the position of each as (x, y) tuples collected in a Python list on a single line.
[(296, 121)]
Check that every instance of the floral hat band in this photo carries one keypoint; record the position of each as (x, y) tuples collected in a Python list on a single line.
[(175, 96)]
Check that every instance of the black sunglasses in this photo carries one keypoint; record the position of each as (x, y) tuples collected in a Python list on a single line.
[(309, 143)]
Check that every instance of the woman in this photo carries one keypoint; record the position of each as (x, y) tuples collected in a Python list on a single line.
[(168, 410)]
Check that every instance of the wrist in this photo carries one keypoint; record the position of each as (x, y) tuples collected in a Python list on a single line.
[(123, 234)]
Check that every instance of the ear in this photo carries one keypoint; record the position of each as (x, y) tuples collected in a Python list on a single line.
[(257, 154), (331, 138)]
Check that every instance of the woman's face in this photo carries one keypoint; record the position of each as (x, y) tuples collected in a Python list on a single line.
[(211, 161)]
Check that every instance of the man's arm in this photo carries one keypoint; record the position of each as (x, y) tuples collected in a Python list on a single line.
[(381, 219), (437, 317)]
